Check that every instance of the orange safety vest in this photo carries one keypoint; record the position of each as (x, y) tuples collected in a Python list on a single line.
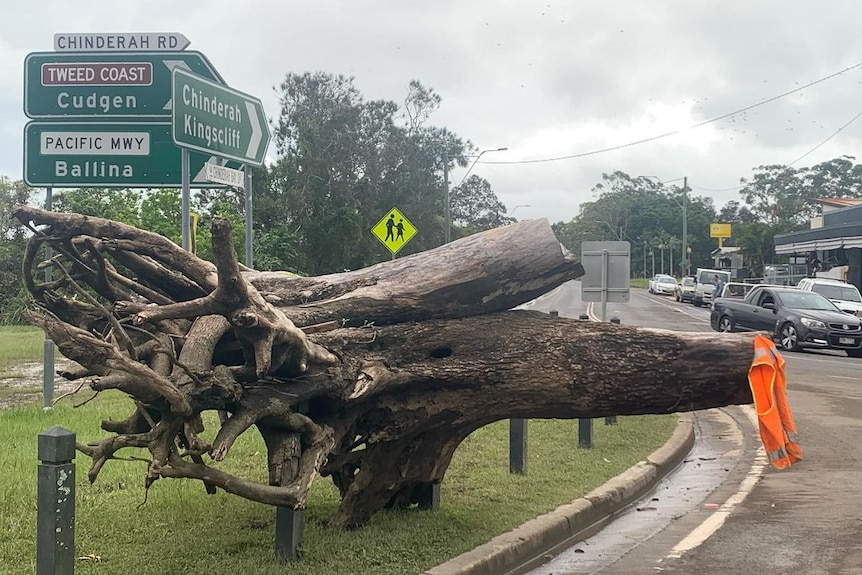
[(769, 388)]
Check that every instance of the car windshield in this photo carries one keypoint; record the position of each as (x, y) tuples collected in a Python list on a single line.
[(806, 300), (706, 277), (845, 293), (666, 281), (688, 282)]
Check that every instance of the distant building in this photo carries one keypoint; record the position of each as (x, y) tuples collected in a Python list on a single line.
[(832, 240), (729, 258)]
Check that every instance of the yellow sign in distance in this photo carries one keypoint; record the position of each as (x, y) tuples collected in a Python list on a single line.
[(394, 230), (719, 230)]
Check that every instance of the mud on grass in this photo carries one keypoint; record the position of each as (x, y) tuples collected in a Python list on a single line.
[(21, 383)]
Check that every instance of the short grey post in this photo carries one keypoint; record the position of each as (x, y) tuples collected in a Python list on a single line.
[(55, 503), (289, 528), (186, 200), (428, 495), (48, 345), (517, 445), (585, 433), (249, 236)]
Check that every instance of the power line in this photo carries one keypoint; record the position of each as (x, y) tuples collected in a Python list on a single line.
[(835, 133), (674, 132), (809, 152)]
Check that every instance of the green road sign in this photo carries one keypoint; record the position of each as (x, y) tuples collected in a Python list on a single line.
[(107, 154), (394, 230), (80, 86), (211, 118)]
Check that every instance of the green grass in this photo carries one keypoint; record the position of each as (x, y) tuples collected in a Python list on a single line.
[(180, 529), (20, 343)]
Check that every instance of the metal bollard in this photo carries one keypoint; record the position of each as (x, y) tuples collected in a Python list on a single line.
[(585, 433), (55, 503), (554, 313), (289, 528), (518, 446), (615, 320), (584, 316), (428, 495)]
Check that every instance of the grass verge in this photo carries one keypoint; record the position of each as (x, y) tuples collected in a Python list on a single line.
[(20, 343), (177, 528)]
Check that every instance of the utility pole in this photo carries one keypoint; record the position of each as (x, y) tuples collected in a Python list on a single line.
[(686, 267), (448, 199)]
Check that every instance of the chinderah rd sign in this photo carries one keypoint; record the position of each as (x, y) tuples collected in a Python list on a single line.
[(212, 118), (156, 41), (105, 85), (107, 154)]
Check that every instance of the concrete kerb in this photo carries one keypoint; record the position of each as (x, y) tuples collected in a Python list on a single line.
[(552, 532)]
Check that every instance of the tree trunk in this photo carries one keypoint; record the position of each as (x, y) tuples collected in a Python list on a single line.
[(371, 377)]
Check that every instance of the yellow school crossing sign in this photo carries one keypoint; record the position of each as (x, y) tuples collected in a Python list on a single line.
[(394, 230)]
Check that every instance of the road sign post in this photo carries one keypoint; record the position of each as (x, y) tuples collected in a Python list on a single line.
[(215, 119), (607, 271)]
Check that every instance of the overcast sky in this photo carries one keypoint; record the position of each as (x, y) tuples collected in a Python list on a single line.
[(545, 79)]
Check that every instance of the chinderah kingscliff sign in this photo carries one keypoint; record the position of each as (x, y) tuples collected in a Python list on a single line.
[(212, 118)]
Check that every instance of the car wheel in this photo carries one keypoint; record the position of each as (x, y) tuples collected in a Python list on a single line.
[(854, 352), (725, 324), (697, 303), (789, 337)]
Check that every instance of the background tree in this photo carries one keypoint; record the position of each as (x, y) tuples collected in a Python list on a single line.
[(13, 242), (475, 207)]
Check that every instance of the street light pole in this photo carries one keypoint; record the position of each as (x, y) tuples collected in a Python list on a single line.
[(446, 184), (686, 266), (448, 196)]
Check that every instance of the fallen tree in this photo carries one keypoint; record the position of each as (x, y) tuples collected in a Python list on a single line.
[(371, 377)]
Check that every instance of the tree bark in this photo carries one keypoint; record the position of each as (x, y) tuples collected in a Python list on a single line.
[(371, 377)]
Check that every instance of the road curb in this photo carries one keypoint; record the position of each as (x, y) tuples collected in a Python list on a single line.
[(575, 521)]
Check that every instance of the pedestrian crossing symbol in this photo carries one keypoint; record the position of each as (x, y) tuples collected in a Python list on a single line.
[(394, 230)]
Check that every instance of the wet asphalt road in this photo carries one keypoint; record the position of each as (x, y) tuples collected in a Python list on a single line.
[(725, 511)]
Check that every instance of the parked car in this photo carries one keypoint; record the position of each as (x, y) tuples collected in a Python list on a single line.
[(665, 285), (844, 295), (684, 291), (796, 319), (653, 282)]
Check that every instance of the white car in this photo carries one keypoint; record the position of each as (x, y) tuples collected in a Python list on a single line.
[(665, 285), (844, 295), (654, 280)]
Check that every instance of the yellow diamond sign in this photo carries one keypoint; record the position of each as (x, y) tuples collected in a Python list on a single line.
[(394, 230)]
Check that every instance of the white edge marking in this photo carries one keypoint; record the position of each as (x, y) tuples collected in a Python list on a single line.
[(714, 522)]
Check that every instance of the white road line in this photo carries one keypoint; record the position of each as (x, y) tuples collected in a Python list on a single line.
[(677, 308), (714, 522)]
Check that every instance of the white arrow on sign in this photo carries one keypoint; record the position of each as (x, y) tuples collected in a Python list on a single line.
[(256, 132), (171, 64)]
